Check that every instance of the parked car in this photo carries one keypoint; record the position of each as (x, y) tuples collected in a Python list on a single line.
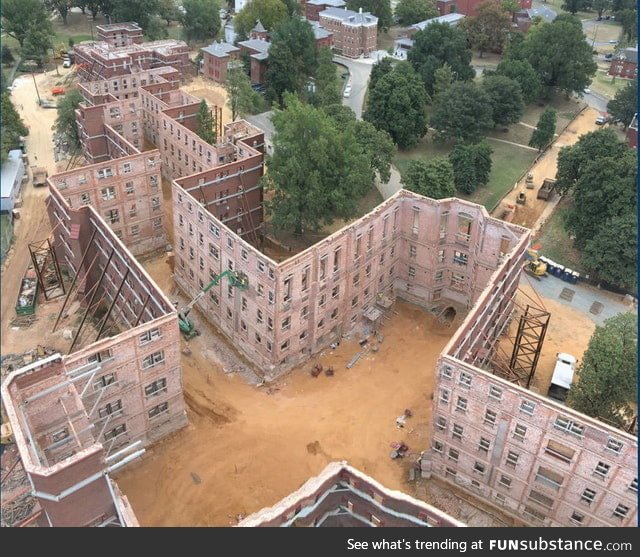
[(608, 56), (66, 63), (613, 41), (347, 91), (601, 120)]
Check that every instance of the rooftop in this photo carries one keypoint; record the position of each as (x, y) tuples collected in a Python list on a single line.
[(130, 26), (10, 170), (220, 49), (350, 17), (333, 3), (451, 19), (630, 54), (259, 28), (318, 31)]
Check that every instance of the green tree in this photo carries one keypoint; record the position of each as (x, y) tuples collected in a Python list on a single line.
[(241, 98), (94, 7), (6, 55), (601, 6), (437, 44), (293, 7), (522, 72), (511, 6), (561, 56), (471, 165), (207, 124), (11, 126), (545, 130), (397, 105), (464, 113), (623, 106), (443, 80), (269, 12), (293, 59), (380, 8), (200, 20), (593, 146), (139, 11), (107, 7), (506, 99), (488, 31), (317, 172), (327, 83), (514, 48), (628, 19), (20, 16), (168, 11), (156, 29), (414, 11), (611, 259), (66, 118), (606, 188), (62, 7), (606, 386), (380, 68), (572, 6), (432, 178), (36, 45)]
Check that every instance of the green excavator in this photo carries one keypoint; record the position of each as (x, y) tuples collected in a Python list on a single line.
[(236, 279)]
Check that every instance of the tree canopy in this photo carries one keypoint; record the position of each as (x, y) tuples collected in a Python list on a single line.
[(293, 59), (465, 113), (60, 6), (506, 99), (156, 29), (522, 72), (241, 98), (326, 81), (200, 20), (206, 128), (471, 165), (168, 11), (606, 385), (380, 68), (397, 105), (139, 11), (623, 106), (413, 11), (488, 31), (11, 126), (317, 172), (66, 119), (380, 8), (432, 178), (20, 17), (545, 130), (435, 45), (443, 80), (269, 12), (561, 56)]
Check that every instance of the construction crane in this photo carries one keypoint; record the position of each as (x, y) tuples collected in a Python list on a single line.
[(236, 279)]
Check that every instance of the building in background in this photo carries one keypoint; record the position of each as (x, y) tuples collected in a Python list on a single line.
[(355, 34), (217, 58), (625, 64), (13, 174), (312, 8)]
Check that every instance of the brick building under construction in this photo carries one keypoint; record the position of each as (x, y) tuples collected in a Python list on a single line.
[(77, 417)]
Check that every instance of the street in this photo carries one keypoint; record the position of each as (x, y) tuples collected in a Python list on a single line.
[(359, 71)]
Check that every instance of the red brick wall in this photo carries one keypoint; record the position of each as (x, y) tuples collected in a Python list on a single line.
[(623, 68)]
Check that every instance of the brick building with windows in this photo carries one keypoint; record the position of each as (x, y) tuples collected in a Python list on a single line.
[(312, 8), (217, 58), (625, 64), (354, 33)]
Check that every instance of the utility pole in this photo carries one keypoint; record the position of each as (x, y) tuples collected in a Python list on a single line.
[(36, 86)]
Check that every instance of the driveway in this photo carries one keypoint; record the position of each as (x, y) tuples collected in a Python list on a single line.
[(359, 72)]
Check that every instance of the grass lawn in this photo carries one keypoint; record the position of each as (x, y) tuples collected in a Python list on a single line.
[(557, 6), (5, 235), (566, 110), (606, 85), (509, 162), (554, 240)]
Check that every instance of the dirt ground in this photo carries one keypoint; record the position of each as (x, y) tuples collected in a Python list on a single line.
[(250, 447), (32, 224), (214, 94), (531, 211), (231, 461)]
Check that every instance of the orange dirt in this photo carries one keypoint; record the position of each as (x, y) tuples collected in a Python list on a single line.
[(214, 94), (253, 446)]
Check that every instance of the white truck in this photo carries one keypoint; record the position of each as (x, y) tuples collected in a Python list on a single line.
[(562, 376)]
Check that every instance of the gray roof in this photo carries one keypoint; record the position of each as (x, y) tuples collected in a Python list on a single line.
[(220, 50), (634, 122), (451, 19), (631, 54), (319, 32), (260, 45), (349, 17), (333, 3), (259, 28), (9, 172), (404, 42), (546, 13)]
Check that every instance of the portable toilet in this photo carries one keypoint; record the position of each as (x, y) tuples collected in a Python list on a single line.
[(558, 271), (574, 277), (566, 274), (551, 266)]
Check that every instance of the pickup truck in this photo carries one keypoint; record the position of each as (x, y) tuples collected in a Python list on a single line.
[(562, 376), (40, 175)]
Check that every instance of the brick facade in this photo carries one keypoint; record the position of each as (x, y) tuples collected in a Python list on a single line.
[(354, 34), (120, 34), (312, 8), (217, 58)]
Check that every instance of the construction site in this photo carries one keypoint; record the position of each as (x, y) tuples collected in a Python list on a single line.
[(405, 344)]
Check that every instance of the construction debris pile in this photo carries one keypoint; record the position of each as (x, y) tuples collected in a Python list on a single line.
[(10, 362)]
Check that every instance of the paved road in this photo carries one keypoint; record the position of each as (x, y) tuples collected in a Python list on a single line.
[(359, 71)]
